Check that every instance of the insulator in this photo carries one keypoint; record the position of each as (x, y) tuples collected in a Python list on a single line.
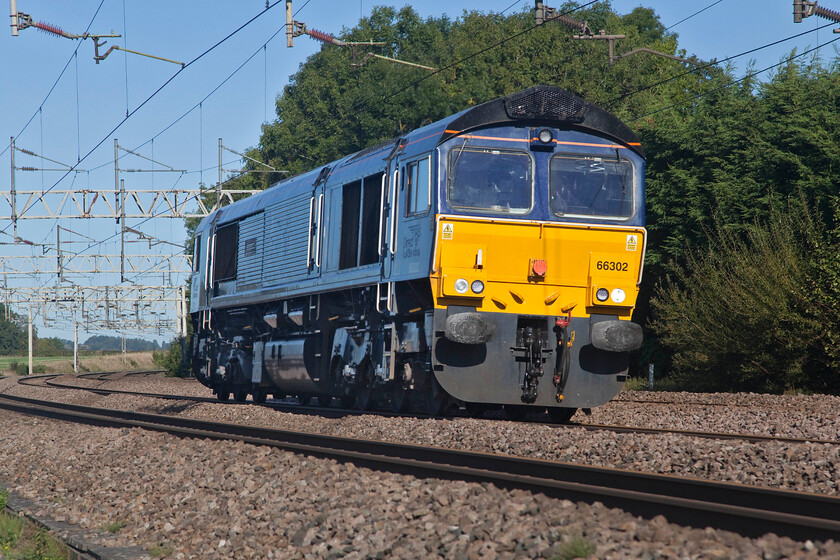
[(320, 35), (26, 168), (571, 22), (827, 14), (27, 152), (47, 28)]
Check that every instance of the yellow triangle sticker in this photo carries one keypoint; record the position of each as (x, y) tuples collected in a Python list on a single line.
[(632, 242), (447, 231)]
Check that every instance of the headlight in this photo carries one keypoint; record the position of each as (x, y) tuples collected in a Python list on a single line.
[(545, 135), (617, 295), (477, 286), (461, 286), (601, 295)]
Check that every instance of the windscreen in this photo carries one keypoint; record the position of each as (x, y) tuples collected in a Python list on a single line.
[(485, 179), (591, 186)]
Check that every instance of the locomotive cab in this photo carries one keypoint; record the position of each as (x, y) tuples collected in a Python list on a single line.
[(538, 255)]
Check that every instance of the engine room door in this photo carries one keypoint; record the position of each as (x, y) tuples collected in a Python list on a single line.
[(390, 217), (315, 246)]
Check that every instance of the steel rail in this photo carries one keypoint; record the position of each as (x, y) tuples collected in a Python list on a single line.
[(336, 412), (695, 403), (749, 510), (752, 438)]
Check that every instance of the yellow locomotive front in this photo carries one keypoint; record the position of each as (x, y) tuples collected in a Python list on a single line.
[(538, 255)]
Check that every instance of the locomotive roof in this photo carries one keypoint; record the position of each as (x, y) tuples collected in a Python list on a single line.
[(541, 105)]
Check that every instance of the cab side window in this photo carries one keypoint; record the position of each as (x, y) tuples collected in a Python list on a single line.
[(197, 253), (418, 179)]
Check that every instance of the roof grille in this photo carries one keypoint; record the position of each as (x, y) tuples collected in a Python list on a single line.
[(553, 104)]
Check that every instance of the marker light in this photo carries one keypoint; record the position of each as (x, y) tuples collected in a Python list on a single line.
[(617, 295), (477, 286), (461, 286), (601, 295)]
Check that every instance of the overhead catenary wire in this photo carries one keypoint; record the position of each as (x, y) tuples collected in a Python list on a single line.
[(746, 77), (60, 74), (694, 14), (199, 105), (159, 89), (481, 51), (475, 54), (715, 62)]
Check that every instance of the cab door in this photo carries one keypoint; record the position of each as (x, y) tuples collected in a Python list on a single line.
[(413, 235), (390, 217), (197, 286)]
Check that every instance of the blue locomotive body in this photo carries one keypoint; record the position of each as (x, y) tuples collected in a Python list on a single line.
[(341, 282)]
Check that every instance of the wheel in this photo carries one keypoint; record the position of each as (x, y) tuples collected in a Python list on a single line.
[(436, 400), (260, 395), (399, 398), (223, 394), (561, 415), (240, 393), (324, 400), (364, 387), (475, 410), (363, 397), (347, 401), (515, 411), (303, 400)]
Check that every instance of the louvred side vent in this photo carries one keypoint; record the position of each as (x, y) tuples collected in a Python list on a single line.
[(546, 103)]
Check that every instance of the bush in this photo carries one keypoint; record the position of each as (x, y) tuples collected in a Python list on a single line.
[(170, 359), (743, 315), (23, 368)]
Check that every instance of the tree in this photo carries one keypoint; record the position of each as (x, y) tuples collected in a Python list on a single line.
[(12, 334), (332, 108)]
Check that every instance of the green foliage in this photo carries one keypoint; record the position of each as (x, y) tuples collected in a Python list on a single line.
[(12, 334), (822, 288), (52, 347), (171, 359), (114, 526), (742, 315), (103, 342), (42, 547), (725, 158), (737, 154), (733, 160), (20, 540), (11, 528), (162, 550), (332, 108), (21, 368), (575, 547)]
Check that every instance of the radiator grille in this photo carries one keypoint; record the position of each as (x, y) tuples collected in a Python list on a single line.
[(553, 104)]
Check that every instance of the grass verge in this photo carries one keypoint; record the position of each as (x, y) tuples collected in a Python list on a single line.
[(21, 540)]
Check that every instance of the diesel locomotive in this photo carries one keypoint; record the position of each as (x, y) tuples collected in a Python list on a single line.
[(490, 259)]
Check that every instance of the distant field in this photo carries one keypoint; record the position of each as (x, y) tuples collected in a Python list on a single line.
[(6, 360), (134, 361)]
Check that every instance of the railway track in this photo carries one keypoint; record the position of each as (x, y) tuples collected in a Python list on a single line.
[(334, 412), (749, 510)]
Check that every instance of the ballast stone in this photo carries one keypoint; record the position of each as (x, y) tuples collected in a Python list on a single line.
[(469, 328)]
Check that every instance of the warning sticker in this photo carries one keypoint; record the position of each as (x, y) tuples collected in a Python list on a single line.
[(447, 231), (632, 242)]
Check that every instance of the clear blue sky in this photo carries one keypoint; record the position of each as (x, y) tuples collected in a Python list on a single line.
[(91, 99)]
